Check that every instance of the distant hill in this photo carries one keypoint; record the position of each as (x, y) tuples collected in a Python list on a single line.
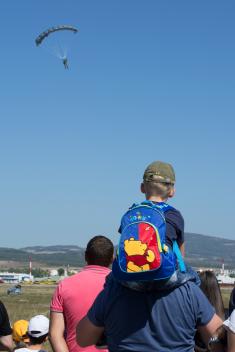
[(201, 250), (209, 251), (45, 255)]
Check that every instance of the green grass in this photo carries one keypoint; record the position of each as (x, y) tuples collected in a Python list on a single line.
[(34, 299), (226, 296)]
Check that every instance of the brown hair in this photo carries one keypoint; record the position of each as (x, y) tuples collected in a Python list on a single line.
[(99, 251), (210, 287)]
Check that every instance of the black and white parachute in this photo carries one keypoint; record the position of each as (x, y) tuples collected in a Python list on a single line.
[(46, 33)]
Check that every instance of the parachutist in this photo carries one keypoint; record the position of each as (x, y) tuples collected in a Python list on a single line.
[(60, 52), (65, 63)]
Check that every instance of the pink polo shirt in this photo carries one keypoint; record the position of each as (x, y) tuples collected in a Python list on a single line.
[(74, 296)]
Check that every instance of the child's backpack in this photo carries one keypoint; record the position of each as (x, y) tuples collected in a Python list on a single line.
[(142, 254)]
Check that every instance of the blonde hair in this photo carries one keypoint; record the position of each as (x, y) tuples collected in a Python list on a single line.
[(159, 189)]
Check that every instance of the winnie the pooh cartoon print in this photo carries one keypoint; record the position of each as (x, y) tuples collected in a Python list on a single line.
[(142, 255)]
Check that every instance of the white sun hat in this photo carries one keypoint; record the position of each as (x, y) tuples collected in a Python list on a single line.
[(229, 324), (38, 326)]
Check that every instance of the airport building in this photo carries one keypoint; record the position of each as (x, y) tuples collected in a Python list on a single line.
[(15, 278)]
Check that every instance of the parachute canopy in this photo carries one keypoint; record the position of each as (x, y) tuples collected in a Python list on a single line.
[(46, 33)]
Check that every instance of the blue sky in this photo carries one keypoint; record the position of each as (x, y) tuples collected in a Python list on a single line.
[(148, 80)]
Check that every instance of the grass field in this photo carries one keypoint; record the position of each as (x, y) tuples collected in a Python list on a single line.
[(226, 295), (34, 299)]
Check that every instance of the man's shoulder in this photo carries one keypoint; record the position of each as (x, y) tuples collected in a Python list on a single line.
[(68, 281), (189, 286), (85, 273), (190, 292)]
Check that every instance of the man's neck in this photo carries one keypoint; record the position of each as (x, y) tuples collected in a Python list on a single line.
[(156, 199)]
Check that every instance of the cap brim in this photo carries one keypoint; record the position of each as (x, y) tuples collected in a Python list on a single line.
[(39, 334)]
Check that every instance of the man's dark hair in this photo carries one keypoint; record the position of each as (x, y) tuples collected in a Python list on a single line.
[(37, 340), (99, 251)]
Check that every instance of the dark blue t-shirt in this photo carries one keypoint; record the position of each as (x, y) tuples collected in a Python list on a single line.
[(153, 321), (174, 227)]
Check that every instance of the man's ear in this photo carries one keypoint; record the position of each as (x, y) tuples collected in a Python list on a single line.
[(172, 192), (142, 187)]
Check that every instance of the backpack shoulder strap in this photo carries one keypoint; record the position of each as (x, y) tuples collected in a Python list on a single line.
[(163, 207), (179, 257)]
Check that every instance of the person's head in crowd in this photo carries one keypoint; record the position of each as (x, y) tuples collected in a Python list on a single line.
[(38, 330), (19, 333), (99, 251), (232, 302), (158, 181), (210, 287)]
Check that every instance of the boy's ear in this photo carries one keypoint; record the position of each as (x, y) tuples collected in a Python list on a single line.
[(172, 192), (142, 188)]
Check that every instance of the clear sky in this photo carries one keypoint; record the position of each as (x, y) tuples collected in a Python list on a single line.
[(148, 80)]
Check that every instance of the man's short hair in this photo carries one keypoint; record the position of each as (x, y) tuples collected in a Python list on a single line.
[(99, 251)]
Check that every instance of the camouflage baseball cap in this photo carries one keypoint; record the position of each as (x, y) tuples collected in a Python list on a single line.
[(161, 172)]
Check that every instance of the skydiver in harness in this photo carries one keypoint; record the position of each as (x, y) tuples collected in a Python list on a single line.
[(65, 63)]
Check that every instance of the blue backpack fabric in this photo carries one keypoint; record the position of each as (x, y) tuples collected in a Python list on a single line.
[(142, 253)]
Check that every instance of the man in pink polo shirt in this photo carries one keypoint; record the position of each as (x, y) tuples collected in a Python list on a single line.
[(74, 296)]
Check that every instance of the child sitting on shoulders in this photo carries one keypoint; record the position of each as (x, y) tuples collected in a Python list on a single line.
[(158, 186)]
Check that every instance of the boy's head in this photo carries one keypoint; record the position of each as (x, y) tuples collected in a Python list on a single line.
[(38, 329), (158, 181)]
